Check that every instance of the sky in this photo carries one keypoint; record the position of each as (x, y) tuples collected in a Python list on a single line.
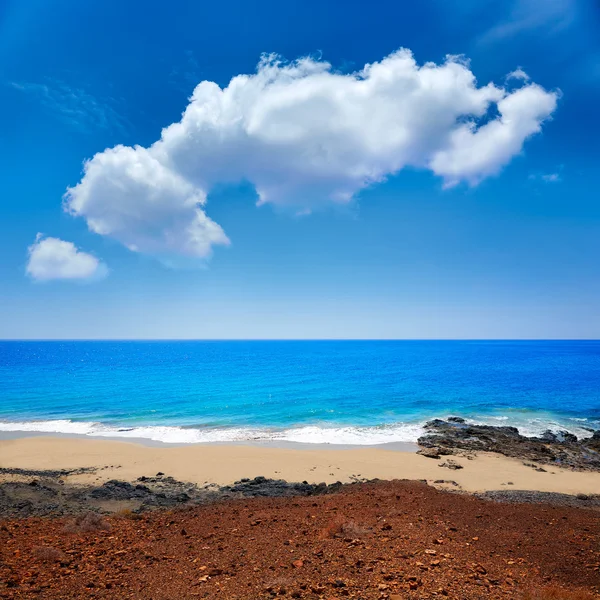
[(299, 170)]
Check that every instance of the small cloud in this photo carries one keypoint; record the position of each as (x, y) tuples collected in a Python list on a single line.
[(51, 258), (519, 74), (551, 178), (74, 106), (546, 177)]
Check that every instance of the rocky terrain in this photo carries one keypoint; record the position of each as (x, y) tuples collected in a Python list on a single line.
[(385, 540), (46, 493), (560, 449)]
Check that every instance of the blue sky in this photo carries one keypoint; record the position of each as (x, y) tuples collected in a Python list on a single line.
[(399, 202)]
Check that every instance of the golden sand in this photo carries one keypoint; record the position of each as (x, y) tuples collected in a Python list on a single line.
[(224, 464)]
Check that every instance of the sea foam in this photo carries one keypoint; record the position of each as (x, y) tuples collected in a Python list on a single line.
[(308, 434)]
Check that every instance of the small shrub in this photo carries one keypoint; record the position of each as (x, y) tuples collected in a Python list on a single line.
[(558, 593), (49, 554), (87, 522)]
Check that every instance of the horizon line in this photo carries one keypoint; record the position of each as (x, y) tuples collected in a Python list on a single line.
[(466, 339)]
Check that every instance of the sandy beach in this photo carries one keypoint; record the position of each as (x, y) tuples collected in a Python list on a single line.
[(203, 464)]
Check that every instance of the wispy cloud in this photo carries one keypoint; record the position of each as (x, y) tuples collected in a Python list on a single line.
[(546, 177), (74, 106), (551, 177), (526, 15), (518, 74)]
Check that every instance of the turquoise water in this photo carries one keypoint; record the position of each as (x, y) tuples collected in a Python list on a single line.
[(357, 392)]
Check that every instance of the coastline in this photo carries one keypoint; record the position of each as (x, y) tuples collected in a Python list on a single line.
[(260, 443), (223, 464)]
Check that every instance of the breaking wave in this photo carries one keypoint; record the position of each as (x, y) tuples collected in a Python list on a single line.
[(308, 434)]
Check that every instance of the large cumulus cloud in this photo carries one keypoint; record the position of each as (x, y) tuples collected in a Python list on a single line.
[(304, 135)]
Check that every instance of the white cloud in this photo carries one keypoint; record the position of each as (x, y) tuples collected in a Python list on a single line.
[(518, 73), (551, 178), (52, 258), (304, 135), (131, 195), (475, 153), (547, 177)]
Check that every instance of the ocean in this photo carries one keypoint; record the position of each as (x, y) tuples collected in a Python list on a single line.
[(338, 392)]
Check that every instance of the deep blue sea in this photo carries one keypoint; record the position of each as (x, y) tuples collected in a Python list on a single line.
[(348, 392)]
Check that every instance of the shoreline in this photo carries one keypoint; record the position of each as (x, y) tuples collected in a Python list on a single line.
[(57, 474), (223, 464), (143, 441), (402, 435)]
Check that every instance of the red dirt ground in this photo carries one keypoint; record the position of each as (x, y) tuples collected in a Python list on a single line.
[(392, 540)]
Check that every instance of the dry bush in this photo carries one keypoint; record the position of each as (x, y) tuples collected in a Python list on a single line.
[(87, 522), (49, 554), (558, 593), (339, 527)]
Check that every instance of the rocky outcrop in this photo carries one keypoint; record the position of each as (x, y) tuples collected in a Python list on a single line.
[(42, 493), (560, 448)]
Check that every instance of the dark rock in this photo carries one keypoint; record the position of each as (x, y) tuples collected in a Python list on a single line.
[(560, 449), (451, 464), (51, 498), (261, 486), (456, 420), (579, 501), (114, 490), (43, 473), (548, 436), (566, 437), (435, 423)]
